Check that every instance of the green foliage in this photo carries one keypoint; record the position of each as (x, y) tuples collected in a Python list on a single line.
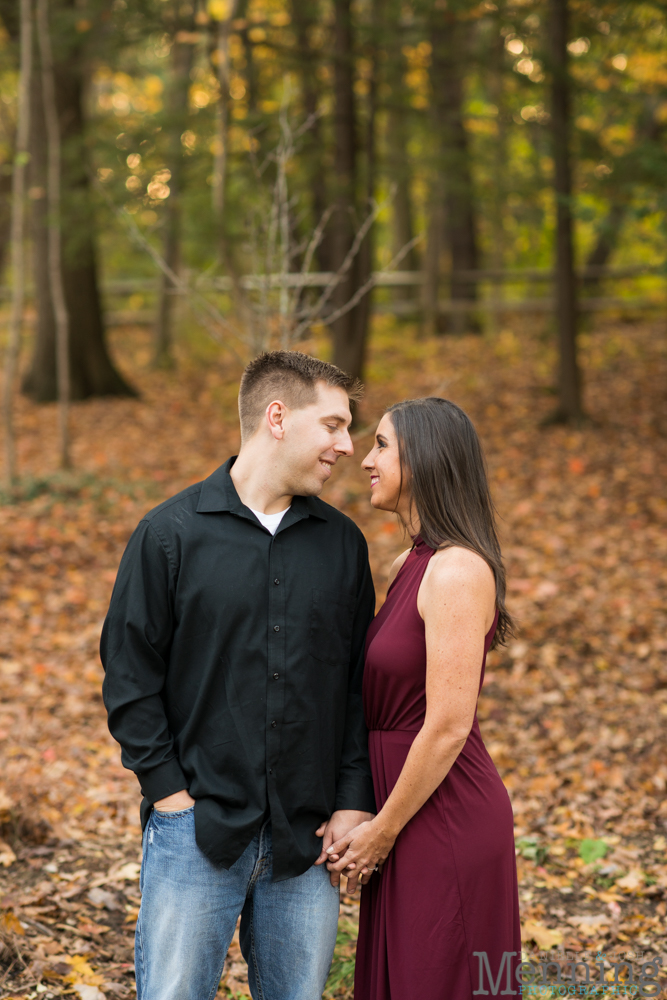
[(531, 849), (341, 976), (125, 51), (591, 851)]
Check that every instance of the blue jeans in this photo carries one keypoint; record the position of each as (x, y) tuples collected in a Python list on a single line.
[(189, 909)]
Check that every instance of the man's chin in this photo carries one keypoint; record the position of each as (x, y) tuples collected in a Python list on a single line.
[(312, 488)]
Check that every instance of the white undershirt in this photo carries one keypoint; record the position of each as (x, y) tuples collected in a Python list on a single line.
[(270, 521)]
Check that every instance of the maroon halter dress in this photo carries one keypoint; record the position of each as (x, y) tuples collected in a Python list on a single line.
[(449, 887)]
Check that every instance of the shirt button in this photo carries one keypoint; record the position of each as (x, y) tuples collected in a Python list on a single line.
[(270, 770), (276, 628), (274, 724), (277, 582), (276, 676)]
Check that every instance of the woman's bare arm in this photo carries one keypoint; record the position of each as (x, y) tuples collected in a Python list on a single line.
[(457, 602)]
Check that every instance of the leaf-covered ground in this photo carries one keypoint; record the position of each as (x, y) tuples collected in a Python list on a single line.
[(574, 711)]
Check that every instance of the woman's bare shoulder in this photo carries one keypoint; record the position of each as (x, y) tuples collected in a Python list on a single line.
[(455, 576), (455, 566), (396, 565)]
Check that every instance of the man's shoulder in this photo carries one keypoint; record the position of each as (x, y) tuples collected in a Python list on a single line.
[(173, 510)]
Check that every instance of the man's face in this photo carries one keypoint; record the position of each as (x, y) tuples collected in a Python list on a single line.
[(315, 438)]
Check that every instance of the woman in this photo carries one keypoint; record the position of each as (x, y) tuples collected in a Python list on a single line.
[(439, 916)]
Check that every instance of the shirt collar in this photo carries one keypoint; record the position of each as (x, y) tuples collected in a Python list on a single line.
[(218, 493)]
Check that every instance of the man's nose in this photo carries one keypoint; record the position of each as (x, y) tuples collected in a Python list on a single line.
[(345, 446)]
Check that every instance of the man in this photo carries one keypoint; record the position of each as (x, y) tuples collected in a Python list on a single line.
[(233, 652)]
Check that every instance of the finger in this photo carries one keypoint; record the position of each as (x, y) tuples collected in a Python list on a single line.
[(324, 831), (339, 846), (352, 883), (335, 879), (341, 865)]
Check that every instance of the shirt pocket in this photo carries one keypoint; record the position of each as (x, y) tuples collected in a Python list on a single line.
[(330, 636)]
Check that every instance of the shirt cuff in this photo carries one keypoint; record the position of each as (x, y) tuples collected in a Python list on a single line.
[(163, 780), (355, 793)]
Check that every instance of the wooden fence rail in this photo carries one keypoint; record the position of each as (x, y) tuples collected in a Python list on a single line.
[(490, 303)]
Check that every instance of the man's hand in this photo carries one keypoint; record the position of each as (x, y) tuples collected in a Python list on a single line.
[(338, 826), (357, 854), (174, 803)]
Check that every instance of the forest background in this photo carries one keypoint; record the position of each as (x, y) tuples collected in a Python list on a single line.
[(448, 197)]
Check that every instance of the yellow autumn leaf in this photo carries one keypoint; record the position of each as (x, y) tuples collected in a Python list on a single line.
[(544, 937), (219, 10), (82, 972), (10, 922)]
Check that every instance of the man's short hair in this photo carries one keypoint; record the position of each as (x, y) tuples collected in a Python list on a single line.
[(291, 377)]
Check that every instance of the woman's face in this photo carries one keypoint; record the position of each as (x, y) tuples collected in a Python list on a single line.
[(384, 465)]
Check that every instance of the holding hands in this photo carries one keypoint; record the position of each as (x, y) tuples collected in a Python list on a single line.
[(359, 853)]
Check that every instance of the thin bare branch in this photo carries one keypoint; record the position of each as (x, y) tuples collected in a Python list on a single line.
[(315, 311), (372, 281), (207, 312)]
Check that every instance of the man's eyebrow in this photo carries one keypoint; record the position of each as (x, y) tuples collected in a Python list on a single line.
[(338, 418)]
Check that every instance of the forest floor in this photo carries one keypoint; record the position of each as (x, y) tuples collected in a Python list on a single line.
[(574, 710)]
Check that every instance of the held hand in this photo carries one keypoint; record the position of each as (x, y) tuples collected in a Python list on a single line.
[(174, 803), (359, 851), (337, 826)]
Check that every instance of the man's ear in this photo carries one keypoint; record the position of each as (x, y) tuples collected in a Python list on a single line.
[(276, 412)]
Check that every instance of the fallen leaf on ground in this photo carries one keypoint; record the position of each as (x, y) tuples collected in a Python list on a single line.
[(544, 937)]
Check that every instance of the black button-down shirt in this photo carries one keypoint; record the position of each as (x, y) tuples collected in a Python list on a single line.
[(234, 662)]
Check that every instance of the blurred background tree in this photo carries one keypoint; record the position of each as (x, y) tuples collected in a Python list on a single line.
[(457, 116)]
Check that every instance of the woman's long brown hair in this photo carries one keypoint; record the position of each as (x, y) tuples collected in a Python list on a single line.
[(441, 452)]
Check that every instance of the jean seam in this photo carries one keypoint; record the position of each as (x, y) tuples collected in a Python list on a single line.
[(253, 955), (142, 952), (216, 985)]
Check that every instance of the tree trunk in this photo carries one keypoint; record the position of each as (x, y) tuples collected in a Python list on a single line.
[(400, 175), (499, 193), (431, 288), (18, 238), (569, 383), (177, 110), (91, 370), (220, 160), (305, 15), (349, 331), (54, 202), (607, 241), (451, 44)]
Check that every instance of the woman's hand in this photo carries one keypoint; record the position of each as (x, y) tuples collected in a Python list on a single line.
[(359, 851)]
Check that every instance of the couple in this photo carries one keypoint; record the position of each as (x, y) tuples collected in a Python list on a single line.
[(240, 631)]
